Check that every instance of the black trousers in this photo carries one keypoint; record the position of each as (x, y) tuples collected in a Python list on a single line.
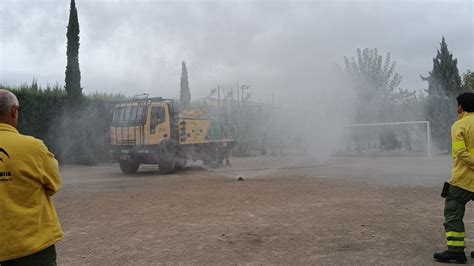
[(45, 257)]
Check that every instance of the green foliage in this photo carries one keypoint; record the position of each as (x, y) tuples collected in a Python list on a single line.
[(74, 133), (379, 97), (388, 140), (73, 73), (184, 93), (444, 85), (444, 79), (441, 112), (40, 108), (468, 81), (80, 132), (106, 96), (374, 81), (247, 123), (406, 106)]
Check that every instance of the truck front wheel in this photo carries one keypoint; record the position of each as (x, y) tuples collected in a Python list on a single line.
[(129, 166)]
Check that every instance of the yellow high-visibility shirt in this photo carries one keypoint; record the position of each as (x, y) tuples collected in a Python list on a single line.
[(29, 175), (462, 134)]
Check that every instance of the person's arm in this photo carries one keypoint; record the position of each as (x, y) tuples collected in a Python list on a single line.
[(459, 147), (50, 177)]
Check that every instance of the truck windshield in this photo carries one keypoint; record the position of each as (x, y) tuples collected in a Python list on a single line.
[(128, 114)]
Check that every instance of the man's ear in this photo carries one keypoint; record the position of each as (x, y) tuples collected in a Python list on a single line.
[(13, 112)]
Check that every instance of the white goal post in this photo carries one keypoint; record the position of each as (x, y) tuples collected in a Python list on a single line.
[(426, 123)]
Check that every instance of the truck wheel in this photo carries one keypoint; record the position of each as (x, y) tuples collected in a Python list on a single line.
[(181, 163), (129, 166), (214, 161), (167, 161), (167, 166), (214, 157), (212, 164)]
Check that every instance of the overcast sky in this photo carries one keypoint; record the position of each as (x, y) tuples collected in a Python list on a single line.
[(274, 46)]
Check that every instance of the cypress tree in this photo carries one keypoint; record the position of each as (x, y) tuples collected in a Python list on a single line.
[(184, 94), (73, 74), (76, 150), (444, 84)]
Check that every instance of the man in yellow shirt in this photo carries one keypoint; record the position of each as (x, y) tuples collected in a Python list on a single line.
[(460, 188), (29, 176)]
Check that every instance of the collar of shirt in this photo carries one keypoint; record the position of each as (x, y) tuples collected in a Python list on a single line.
[(7, 127), (464, 114)]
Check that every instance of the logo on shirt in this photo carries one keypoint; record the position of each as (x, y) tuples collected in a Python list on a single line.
[(4, 152), (4, 174)]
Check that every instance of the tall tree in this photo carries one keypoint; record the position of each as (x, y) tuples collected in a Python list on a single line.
[(184, 93), (73, 133), (73, 73), (374, 81), (468, 81), (444, 84)]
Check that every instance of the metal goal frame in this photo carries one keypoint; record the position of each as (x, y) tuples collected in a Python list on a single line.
[(427, 123)]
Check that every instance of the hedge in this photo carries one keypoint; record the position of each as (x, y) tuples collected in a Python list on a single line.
[(74, 132)]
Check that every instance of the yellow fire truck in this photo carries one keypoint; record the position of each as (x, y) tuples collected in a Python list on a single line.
[(152, 131)]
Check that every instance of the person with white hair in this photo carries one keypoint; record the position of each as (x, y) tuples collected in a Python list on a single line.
[(29, 176)]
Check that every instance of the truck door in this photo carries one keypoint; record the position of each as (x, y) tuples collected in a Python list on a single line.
[(158, 127)]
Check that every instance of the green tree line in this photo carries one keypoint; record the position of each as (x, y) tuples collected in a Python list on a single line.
[(380, 99), (74, 137)]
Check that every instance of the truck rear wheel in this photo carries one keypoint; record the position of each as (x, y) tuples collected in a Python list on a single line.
[(167, 166), (214, 156), (129, 166), (181, 163), (214, 160), (214, 163)]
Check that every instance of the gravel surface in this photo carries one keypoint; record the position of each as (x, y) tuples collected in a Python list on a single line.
[(346, 211)]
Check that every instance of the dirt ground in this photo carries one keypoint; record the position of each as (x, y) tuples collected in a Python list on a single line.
[(347, 211)]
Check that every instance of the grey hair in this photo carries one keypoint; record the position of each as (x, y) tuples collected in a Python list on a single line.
[(7, 101)]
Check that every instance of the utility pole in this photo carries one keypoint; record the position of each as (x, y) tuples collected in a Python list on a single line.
[(219, 95), (242, 96), (244, 87)]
